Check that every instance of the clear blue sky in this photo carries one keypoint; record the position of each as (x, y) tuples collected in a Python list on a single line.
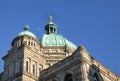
[(94, 24)]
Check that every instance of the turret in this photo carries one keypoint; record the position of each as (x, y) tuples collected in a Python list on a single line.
[(26, 38)]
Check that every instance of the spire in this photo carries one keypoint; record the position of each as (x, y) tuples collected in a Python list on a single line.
[(50, 18)]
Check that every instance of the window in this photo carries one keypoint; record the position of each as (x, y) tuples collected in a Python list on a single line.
[(47, 30), (68, 77), (54, 30), (29, 43), (33, 69), (51, 29), (27, 66)]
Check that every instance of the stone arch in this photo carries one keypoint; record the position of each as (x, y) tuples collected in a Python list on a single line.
[(94, 73), (68, 72)]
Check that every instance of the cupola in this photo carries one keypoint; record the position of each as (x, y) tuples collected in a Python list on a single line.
[(51, 38), (51, 28)]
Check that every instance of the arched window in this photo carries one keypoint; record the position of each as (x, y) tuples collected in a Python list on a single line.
[(68, 77), (28, 64), (34, 68), (51, 30)]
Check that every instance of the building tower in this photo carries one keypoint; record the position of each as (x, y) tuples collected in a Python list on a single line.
[(54, 46), (51, 58), (19, 61), (29, 55)]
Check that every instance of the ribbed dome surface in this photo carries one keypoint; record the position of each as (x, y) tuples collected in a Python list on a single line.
[(55, 40)]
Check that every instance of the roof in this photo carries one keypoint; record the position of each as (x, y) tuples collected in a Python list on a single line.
[(55, 40), (26, 32)]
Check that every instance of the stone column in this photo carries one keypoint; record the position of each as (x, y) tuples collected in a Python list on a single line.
[(83, 72)]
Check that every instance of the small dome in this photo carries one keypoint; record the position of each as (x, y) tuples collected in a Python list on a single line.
[(26, 32), (55, 40)]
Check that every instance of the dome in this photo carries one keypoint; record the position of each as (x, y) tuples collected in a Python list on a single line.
[(51, 38), (26, 32), (55, 40)]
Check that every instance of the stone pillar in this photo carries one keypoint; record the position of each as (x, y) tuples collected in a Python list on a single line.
[(83, 72)]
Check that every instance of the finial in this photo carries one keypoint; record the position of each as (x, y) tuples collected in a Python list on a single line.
[(26, 28), (50, 18)]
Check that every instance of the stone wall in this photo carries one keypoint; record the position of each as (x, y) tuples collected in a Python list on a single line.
[(81, 66), (13, 63)]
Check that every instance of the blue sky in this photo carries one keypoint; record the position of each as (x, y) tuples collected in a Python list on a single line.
[(94, 24)]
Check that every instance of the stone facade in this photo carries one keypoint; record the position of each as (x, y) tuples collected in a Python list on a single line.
[(29, 60), (80, 66)]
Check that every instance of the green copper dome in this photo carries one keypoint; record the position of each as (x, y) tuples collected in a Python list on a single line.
[(55, 40), (26, 32), (51, 38)]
